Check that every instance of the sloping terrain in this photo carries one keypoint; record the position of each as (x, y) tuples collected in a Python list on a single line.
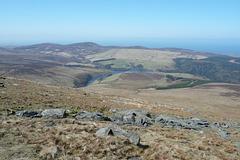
[(74, 138), (52, 63), (43, 64)]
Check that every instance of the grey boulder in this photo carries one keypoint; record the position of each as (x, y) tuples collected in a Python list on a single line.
[(97, 116), (132, 117), (2, 84), (176, 122), (54, 113), (28, 113), (237, 144), (114, 130), (138, 113)]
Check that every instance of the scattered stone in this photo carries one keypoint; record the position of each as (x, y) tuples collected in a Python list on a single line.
[(192, 111), (141, 114), (227, 119), (201, 133), (10, 112), (124, 101), (97, 116), (15, 84), (54, 113), (113, 110), (192, 152), (118, 131), (199, 121), (218, 125), (210, 115), (15, 155), (51, 95), (132, 117), (116, 118), (69, 111), (237, 144), (134, 158), (191, 123), (2, 84), (28, 113), (224, 125), (129, 119), (50, 124), (195, 112), (224, 134)]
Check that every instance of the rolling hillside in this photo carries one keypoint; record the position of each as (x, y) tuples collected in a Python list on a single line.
[(75, 64)]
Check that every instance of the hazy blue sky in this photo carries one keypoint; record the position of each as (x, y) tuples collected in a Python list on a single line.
[(67, 21)]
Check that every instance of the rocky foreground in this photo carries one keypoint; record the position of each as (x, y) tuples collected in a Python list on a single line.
[(46, 122)]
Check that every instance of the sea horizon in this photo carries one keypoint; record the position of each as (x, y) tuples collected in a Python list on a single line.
[(226, 47)]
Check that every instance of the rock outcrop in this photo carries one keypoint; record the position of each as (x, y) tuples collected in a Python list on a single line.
[(114, 130), (2, 84), (97, 116), (174, 122), (28, 113), (132, 117), (54, 113)]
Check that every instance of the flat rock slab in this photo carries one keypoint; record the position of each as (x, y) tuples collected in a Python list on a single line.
[(54, 113), (141, 114), (118, 131), (191, 123), (97, 116), (28, 113), (2, 84)]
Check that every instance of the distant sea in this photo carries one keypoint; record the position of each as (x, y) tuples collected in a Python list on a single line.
[(218, 46), (222, 46)]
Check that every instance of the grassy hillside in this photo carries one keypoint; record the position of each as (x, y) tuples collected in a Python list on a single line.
[(225, 69), (150, 59), (30, 138)]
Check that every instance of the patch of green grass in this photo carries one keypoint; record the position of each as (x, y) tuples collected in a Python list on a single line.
[(186, 83), (118, 63)]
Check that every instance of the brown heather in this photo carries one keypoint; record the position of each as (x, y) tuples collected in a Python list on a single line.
[(76, 140)]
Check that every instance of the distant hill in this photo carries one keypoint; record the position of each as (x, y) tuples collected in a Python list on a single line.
[(86, 48), (39, 60)]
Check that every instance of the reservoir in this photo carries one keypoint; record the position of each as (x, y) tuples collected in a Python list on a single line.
[(116, 72)]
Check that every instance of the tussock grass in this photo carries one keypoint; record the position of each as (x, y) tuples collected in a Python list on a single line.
[(28, 138)]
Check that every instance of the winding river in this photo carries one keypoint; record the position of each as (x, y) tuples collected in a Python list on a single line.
[(116, 72)]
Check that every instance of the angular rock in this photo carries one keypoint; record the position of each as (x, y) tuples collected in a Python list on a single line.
[(142, 122), (92, 116), (130, 119), (171, 122), (215, 124), (28, 113), (54, 113), (113, 110), (202, 123), (225, 125), (50, 124), (227, 119), (10, 112), (15, 84), (116, 118), (237, 144), (224, 134), (2, 84), (218, 125), (141, 114), (118, 131)]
